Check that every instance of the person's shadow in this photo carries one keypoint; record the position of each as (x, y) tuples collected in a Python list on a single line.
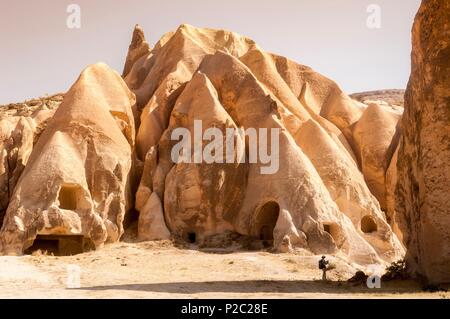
[(264, 286)]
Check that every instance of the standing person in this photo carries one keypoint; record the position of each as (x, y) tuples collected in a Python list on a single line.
[(323, 265)]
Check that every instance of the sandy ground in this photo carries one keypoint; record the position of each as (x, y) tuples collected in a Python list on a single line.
[(160, 270)]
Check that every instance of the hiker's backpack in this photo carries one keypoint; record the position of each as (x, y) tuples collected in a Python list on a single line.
[(322, 264)]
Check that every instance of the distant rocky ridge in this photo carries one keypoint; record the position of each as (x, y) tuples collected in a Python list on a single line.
[(27, 108), (391, 97)]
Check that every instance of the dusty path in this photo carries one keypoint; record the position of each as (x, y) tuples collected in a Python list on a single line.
[(150, 270)]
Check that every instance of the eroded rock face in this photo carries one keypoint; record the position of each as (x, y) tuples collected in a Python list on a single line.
[(201, 198), (328, 154), (348, 189), (317, 199), (76, 181), (20, 127), (138, 48), (151, 220), (375, 137), (423, 189), (396, 220), (16, 143)]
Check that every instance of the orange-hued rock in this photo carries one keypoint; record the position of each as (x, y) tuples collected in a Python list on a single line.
[(318, 188), (348, 189), (374, 137), (20, 127), (16, 144), (137, 49), (201, 198), (77, 179), (317, 199), (423, 188), (396, 220), (152, 225)]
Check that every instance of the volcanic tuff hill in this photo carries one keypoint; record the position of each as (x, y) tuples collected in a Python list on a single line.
[(80, 175), (107, 150)]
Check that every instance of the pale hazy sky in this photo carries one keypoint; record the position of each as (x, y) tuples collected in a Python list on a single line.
[(39, 55)]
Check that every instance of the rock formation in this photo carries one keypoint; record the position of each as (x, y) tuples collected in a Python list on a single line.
[(423, 189), (77, 179), (396, 220), (318, 199), (151, 220), (386, 97), (16, 137), (317, 185), (375, 137), (138, 48), (20, 127)]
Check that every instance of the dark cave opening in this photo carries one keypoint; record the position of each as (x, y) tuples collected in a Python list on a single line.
[(60, 245), (266, 220), (192, 237), (67, 197), (368, 224)]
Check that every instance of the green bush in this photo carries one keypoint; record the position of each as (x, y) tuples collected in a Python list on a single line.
[(396, 271)]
